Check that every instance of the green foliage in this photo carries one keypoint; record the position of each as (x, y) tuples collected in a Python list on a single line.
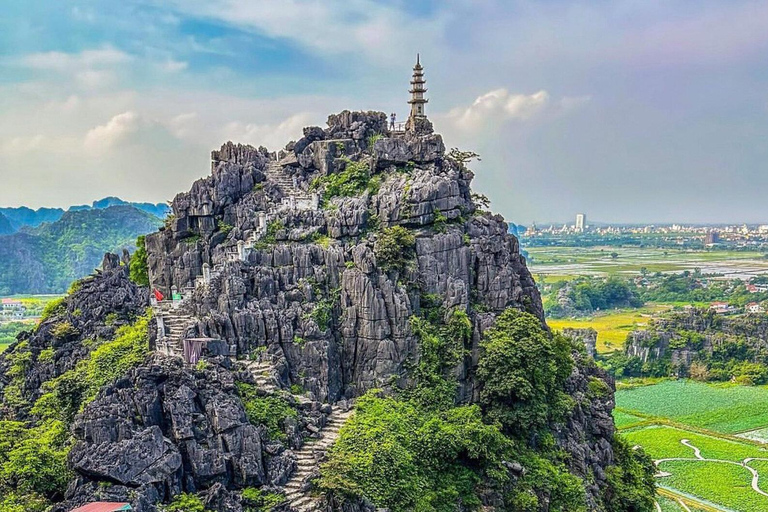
[(631, 486), (68, 393), (36, 463), (224, 227), (440, 221), (185, 503), (297, 389), (257, 500), (63, 330), (522, 370), (395, 248), (75, 287), (463, 157), (545, 476), (270, 237), (53, 308), (372, 140), (46, 356), (352, 181), (139, 269), (28, 502), (598, 388), (270, 411), (406, 458)]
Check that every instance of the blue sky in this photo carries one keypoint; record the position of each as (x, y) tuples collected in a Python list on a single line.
[(629, 110)]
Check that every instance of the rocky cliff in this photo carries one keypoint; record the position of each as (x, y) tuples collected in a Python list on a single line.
[(298, 273)]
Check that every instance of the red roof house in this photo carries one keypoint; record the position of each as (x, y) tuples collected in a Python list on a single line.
[(103, 506)]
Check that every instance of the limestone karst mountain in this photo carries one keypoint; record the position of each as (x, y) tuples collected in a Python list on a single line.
[(292, 284)]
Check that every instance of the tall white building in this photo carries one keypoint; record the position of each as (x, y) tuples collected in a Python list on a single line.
[(581, 222)]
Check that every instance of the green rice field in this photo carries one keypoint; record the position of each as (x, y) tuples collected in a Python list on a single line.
[(701, 424), (728, 409)]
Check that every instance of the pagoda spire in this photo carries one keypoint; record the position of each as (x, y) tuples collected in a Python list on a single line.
[(417, 101)]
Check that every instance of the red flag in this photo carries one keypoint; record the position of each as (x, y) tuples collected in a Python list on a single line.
[(159, 296)]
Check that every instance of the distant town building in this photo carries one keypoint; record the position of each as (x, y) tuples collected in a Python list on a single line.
[(754, 307), (581, 222), (721, 307), (712, 238), (12, 309)]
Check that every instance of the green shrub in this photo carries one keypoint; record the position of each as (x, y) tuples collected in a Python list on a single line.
[(372, 140), (63, 330), (257, 500), (28, 502), (406, 458), (55, 307), (352, 181), (185, 503), (395, 248), (631, 485), (523, 370), (46, 356), (138, 266), (440, 222), (270, 411), (224, 227), (37, 463), (598, 388)]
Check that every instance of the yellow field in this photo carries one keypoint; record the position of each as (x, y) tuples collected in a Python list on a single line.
[(612, 327)]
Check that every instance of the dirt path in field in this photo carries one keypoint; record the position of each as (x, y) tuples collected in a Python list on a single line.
[(699, 457)]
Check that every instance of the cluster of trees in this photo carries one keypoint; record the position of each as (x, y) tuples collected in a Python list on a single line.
[(585, 295), (735, 350), (417, 450)]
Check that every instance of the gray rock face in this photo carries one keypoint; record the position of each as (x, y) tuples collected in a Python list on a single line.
[(588, 337), (164, 428), (270, 300), (313, 296), (108, 292)]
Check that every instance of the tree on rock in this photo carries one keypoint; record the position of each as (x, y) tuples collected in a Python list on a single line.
[(522, 373)]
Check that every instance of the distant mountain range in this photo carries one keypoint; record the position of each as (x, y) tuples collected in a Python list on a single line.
[(14, 219), (45, 255)]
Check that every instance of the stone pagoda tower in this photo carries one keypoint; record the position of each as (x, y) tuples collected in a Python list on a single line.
[(417, 100)]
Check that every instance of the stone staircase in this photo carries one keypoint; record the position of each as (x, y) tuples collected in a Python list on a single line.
[(308, 459), (276, 174), (175, 324), (293, 196), (262, 374)]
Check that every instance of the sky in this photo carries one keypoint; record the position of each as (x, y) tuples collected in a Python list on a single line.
[(627, 110)]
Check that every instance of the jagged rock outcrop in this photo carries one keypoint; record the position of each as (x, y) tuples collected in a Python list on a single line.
[(99, 305), (267, 298), (311, 310), (587, 337)]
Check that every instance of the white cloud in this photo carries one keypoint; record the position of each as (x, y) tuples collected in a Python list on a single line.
[(498, 106), (115, 130), (173, 66), (271, 135), (331, 26), (60, 61)]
